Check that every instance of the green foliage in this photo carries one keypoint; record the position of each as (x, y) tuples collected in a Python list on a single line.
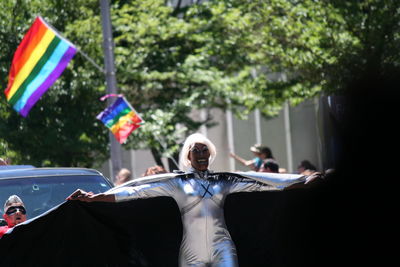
[(375, 26), (60, 129), (171, 60)]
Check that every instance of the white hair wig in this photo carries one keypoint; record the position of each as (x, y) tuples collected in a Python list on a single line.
[(189, 143)]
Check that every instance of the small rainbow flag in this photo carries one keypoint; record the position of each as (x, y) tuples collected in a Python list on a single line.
[(121, 118), (39, 60)]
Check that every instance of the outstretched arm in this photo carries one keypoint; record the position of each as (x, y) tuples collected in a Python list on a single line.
[(125, 193), (259, 181), (278, 180), (262, 181), (146, 187), (247, 163)]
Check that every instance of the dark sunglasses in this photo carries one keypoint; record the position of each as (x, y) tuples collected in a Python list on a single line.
[(196, 150), (14, 209)]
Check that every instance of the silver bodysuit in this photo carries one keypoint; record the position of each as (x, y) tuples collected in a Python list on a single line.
[(206, 240)]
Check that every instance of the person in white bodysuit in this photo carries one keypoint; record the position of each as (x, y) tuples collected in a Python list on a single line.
[(200, 196)]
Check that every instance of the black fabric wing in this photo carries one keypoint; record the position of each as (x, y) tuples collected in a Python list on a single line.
[(135, 233), (289, 228)]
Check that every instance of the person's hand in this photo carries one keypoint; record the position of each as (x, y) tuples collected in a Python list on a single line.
[(81, 195), (314, 178)]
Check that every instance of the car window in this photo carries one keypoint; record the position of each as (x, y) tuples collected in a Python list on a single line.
[(40, 194)]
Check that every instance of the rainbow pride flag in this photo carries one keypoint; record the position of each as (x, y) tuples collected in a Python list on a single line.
[(121, 118), (39, 60)]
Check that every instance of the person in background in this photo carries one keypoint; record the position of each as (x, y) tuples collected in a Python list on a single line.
[(270, 165), (3, 162), (282, 170), (14, 213), (260, 152), (306, 168), (123, 176)]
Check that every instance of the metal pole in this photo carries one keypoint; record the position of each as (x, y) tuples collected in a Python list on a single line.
[(288, 137), (231, 140), (257, 121), (108, 46)]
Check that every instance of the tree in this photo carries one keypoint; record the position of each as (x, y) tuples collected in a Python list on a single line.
[(172, 60), (374, 24), (60, 129)]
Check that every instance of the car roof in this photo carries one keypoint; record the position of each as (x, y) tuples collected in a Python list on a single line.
[(11, 167), (39, 172)]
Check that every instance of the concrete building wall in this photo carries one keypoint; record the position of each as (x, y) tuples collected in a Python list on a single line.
[(304, 133), (273, 136)]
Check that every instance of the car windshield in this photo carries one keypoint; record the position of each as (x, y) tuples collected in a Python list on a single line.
[(40, 194)]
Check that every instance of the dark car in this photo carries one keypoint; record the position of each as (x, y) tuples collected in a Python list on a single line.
[(44, 188)]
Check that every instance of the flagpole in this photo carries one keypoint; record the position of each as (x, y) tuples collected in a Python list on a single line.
[(108, 46), (90, 60)]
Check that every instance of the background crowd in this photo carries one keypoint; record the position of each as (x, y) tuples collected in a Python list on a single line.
[(264, 161)]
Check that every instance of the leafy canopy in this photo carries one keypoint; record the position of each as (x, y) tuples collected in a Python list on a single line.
[(172, 60)]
